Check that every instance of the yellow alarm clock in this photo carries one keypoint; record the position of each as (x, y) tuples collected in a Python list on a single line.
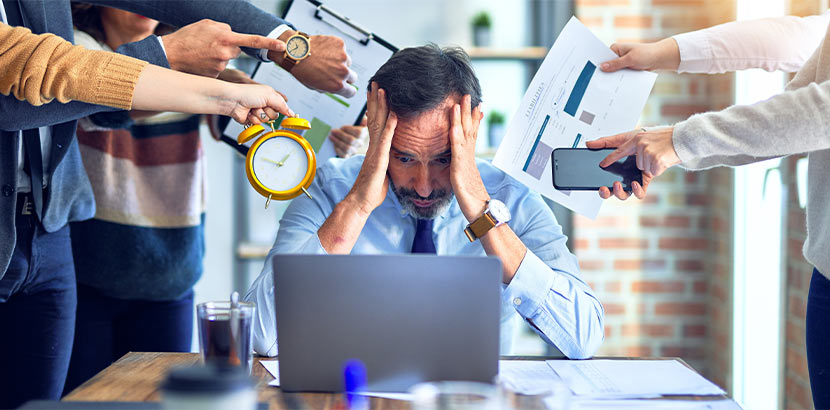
[(280, 164)]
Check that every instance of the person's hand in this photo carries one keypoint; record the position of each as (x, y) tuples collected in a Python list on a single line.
[(662, 55), (205, 47), (233, 75), (654, 150), (346, 139), (254, 103), (326, 68), (466, 180), (372, 183)]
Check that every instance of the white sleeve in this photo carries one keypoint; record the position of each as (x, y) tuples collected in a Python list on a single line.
[(780, 43)]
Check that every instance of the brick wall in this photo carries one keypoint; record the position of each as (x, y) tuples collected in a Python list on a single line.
[(797, 393), (662, 266)]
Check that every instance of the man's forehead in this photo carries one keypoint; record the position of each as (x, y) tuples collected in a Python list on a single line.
[(427, 133)]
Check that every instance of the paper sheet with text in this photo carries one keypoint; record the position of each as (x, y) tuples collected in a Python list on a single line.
[(570, 101)]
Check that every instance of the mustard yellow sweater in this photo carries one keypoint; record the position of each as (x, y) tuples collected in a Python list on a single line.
[(39, 68)]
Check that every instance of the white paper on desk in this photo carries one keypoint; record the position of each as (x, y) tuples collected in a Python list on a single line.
[(632, 378), (647, 404), (528, 376), (570, 101), (273, 367)]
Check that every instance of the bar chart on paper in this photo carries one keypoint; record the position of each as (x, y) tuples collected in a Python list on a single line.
[(570, 101)]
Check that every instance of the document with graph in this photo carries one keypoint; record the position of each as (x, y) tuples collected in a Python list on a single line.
[(325, 110), (570, 101)]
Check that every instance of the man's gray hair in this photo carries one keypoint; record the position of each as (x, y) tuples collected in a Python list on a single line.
[(419, 79)]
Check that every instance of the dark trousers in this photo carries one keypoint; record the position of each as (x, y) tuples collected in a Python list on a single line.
[(37, 316), (108, 328), (818, 339)]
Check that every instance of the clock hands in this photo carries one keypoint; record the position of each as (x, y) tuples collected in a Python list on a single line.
[(277, 163)]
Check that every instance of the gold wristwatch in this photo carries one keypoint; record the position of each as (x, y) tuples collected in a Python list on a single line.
[(496, 214), (297, 48)]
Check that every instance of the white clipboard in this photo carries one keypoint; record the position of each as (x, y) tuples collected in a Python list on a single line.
[(325, 111)]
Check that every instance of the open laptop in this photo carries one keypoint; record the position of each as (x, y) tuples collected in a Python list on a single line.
[(408, 318)]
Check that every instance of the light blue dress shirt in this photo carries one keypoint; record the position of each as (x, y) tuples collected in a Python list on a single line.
[(546, 291)]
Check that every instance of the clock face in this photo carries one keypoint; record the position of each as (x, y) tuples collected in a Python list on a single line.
[(297, 47), (280, 163)]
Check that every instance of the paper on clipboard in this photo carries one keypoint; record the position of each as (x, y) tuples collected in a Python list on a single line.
[(325, 111)]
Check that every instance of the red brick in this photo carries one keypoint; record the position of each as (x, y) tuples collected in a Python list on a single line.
[(694, 330), (685, 22), (639, 264), (797, 307), (623, 243), (608, 332), (682, 110), (613, 308), (796, 362), (670, 221), (680, 308), (591, 264), (700, 287), (601, 222), (684, 244), (633, 21), (613, 287), (638, 351), (689, 265), (684, 352), (650, 330), (581, 244), (646, 286), (592, 21)]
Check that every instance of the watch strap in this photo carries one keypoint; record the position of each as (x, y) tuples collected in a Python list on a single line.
[(480, 227)]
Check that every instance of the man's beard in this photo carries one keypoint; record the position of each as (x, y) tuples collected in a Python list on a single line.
[(441, 202)]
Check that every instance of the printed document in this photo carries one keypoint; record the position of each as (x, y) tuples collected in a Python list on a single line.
[(528, 376), (570, 101), (647, 404), (632, 378)]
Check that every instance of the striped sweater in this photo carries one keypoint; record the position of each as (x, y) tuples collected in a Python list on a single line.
[(146, 241)]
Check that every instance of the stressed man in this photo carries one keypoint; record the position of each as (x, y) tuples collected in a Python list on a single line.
[(421, 189)]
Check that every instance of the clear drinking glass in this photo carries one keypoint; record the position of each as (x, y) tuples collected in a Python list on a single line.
[(226, 333)]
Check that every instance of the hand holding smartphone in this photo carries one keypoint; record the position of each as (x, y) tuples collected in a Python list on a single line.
[(577, 169)]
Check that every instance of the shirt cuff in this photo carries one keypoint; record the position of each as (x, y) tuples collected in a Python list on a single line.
[(275, 33), (695, 52), (530, 285), (161, 43)]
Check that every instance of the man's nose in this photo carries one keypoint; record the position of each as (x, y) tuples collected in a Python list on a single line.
[(422, 181)]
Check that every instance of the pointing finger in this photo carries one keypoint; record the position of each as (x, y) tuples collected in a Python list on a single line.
[(255, 41), (624, 150)]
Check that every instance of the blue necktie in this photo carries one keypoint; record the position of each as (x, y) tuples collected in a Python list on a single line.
[(423, 237)]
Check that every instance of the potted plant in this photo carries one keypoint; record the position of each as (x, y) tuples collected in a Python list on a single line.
[(495, 128), (481, 29)]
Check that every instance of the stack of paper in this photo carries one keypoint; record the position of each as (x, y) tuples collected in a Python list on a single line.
[(632, 378), (528, 376)]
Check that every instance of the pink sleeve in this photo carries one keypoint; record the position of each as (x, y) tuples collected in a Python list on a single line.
[(780, 43)]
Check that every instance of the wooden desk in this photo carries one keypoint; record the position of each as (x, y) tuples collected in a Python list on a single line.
[(137, 377)]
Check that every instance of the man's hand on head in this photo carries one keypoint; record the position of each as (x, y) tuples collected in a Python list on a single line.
[(372, 183), (326, 68), (466, 180), (205, 47)]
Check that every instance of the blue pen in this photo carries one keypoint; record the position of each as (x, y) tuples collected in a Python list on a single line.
[(354, 381)]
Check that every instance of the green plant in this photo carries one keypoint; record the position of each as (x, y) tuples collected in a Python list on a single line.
[(496, 117), (482, 19)]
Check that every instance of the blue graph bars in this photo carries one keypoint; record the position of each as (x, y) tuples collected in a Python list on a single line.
[(536, 143), (579, 88), (576, 141)]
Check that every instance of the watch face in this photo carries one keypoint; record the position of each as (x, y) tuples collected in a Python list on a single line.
[(280, 164), (499, 211), (297, 47)]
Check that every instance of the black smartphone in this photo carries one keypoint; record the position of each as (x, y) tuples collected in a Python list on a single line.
[(577, 169)]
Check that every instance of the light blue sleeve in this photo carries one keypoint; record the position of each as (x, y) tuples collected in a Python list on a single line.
[(297, 235), (547, 290)]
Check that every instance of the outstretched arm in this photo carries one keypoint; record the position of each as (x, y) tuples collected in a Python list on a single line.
[(780, 43)]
